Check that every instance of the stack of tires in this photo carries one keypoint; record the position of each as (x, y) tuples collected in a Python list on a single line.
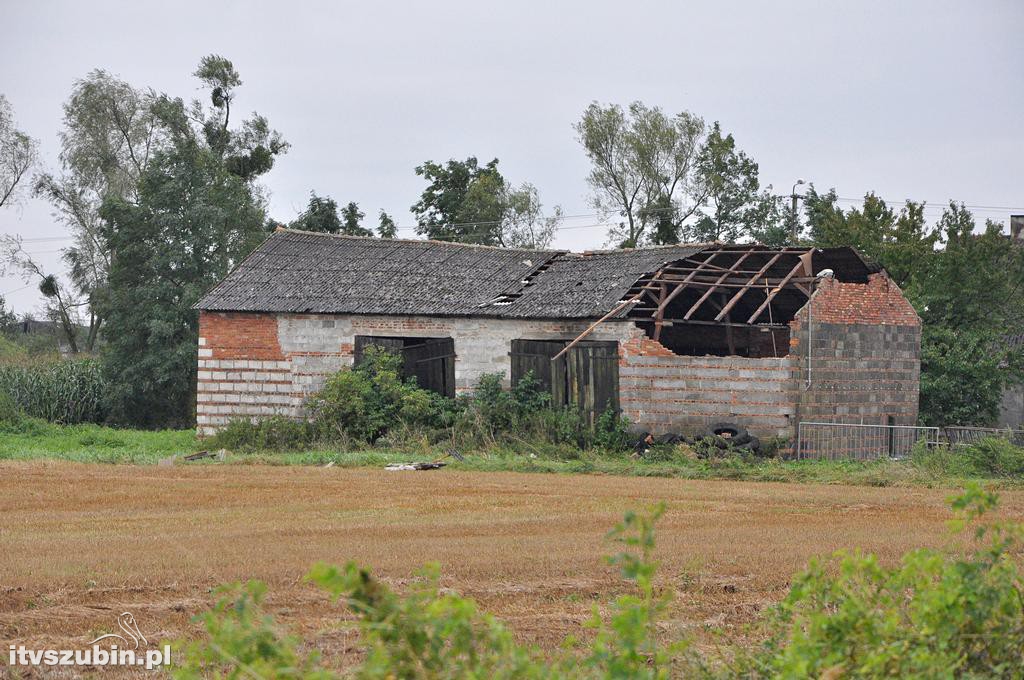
[(725, 436)]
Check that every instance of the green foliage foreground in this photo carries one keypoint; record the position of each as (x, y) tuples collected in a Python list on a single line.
[(934, 615)]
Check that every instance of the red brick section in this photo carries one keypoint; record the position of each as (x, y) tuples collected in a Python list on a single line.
[(240, 335), (879, 302), (643, 347)]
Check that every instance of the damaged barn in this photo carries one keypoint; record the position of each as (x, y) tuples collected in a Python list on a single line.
[(673, 337)]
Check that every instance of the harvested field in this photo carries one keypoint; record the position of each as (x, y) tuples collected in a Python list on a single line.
[(81, 543)]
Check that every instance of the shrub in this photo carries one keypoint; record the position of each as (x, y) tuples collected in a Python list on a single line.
[(612, 432), (365, 402), (276, 433), (990, 457), (933, 615), (65, 392), (245, 641)]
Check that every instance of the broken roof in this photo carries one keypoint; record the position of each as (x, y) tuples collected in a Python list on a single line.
[(304, 272)]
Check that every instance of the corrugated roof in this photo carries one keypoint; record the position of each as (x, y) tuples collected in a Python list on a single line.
[(591, 284), (303, 272)]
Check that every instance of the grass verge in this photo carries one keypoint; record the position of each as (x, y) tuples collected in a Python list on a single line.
[(37, 440)]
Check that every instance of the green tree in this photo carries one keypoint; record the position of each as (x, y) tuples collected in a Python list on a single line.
[(320, 215), (472, 204), (643, 168), (968, 292), (351, 221), (386, 227), (198, 212), (902, 242), (18, 155), (460, 202), (733, 202)]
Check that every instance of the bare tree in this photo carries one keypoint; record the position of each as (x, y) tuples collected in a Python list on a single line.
[(62, 305), (18, 155)]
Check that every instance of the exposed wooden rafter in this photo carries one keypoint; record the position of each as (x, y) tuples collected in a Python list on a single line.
[(730, 272)]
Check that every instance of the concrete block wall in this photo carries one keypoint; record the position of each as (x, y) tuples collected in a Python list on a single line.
[(666, 392), (864, 364), (255, 365)]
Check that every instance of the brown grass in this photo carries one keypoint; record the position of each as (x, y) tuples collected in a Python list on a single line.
[(81, 543)]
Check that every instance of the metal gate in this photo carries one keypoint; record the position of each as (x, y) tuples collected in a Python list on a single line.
[(850, 441)]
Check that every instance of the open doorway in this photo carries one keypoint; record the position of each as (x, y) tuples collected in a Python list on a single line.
[(431, 361)]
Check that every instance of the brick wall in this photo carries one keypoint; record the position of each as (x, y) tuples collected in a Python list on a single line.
[(865, 354), (666, 392), (257, 365), (864, 364)]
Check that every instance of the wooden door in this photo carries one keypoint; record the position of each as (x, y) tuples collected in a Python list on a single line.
[(586, 376), (593, 378), (432, 363)]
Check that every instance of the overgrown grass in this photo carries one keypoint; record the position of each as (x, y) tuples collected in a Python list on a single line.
[(34, 439), (37, 440)]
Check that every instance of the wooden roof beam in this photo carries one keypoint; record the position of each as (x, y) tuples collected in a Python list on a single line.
[(775, 291), (753, 279), (714, 286)]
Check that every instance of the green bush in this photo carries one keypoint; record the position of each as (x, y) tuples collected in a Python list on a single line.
[(276, 433), (372, 403), (990, 457), (65, 392), (932, 615), (365, 402)]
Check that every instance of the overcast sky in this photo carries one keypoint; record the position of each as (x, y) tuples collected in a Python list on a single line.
[(921, 99)]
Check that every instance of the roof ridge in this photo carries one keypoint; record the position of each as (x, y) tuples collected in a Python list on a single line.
[(287, 230)]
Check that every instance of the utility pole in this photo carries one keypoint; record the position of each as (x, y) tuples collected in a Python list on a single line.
[(794, 225)]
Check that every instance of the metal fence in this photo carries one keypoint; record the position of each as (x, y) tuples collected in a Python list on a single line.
[(850, 441), (956, 435)]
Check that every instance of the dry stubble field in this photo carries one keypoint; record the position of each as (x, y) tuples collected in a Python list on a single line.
[(81, 543)]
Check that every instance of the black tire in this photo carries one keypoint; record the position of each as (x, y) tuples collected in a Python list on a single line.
[(669, 438), (754, 445), (741, 441), (728, 431)]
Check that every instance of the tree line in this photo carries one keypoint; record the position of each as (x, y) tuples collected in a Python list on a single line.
[(162, 196)]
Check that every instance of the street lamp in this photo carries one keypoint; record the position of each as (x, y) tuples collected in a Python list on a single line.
[(795, 223)]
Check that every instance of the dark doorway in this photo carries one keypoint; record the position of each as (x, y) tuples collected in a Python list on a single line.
[(586, 376), (431, 361)]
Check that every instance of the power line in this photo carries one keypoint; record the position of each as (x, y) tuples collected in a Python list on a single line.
[(16, 290)]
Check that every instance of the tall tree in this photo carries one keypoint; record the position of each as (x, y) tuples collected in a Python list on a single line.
[(902, 240), (460, 201), (472, 204), (732, 197), (968, 294), (642, 167), (352, 221), (386, 227), (524, 224), (321, 215), (18, 154), (199, 210), (110, 132)]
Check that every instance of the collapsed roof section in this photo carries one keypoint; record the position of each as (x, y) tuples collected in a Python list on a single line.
[(302, 272)]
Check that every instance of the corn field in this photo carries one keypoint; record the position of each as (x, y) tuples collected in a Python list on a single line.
[(66, 392)]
